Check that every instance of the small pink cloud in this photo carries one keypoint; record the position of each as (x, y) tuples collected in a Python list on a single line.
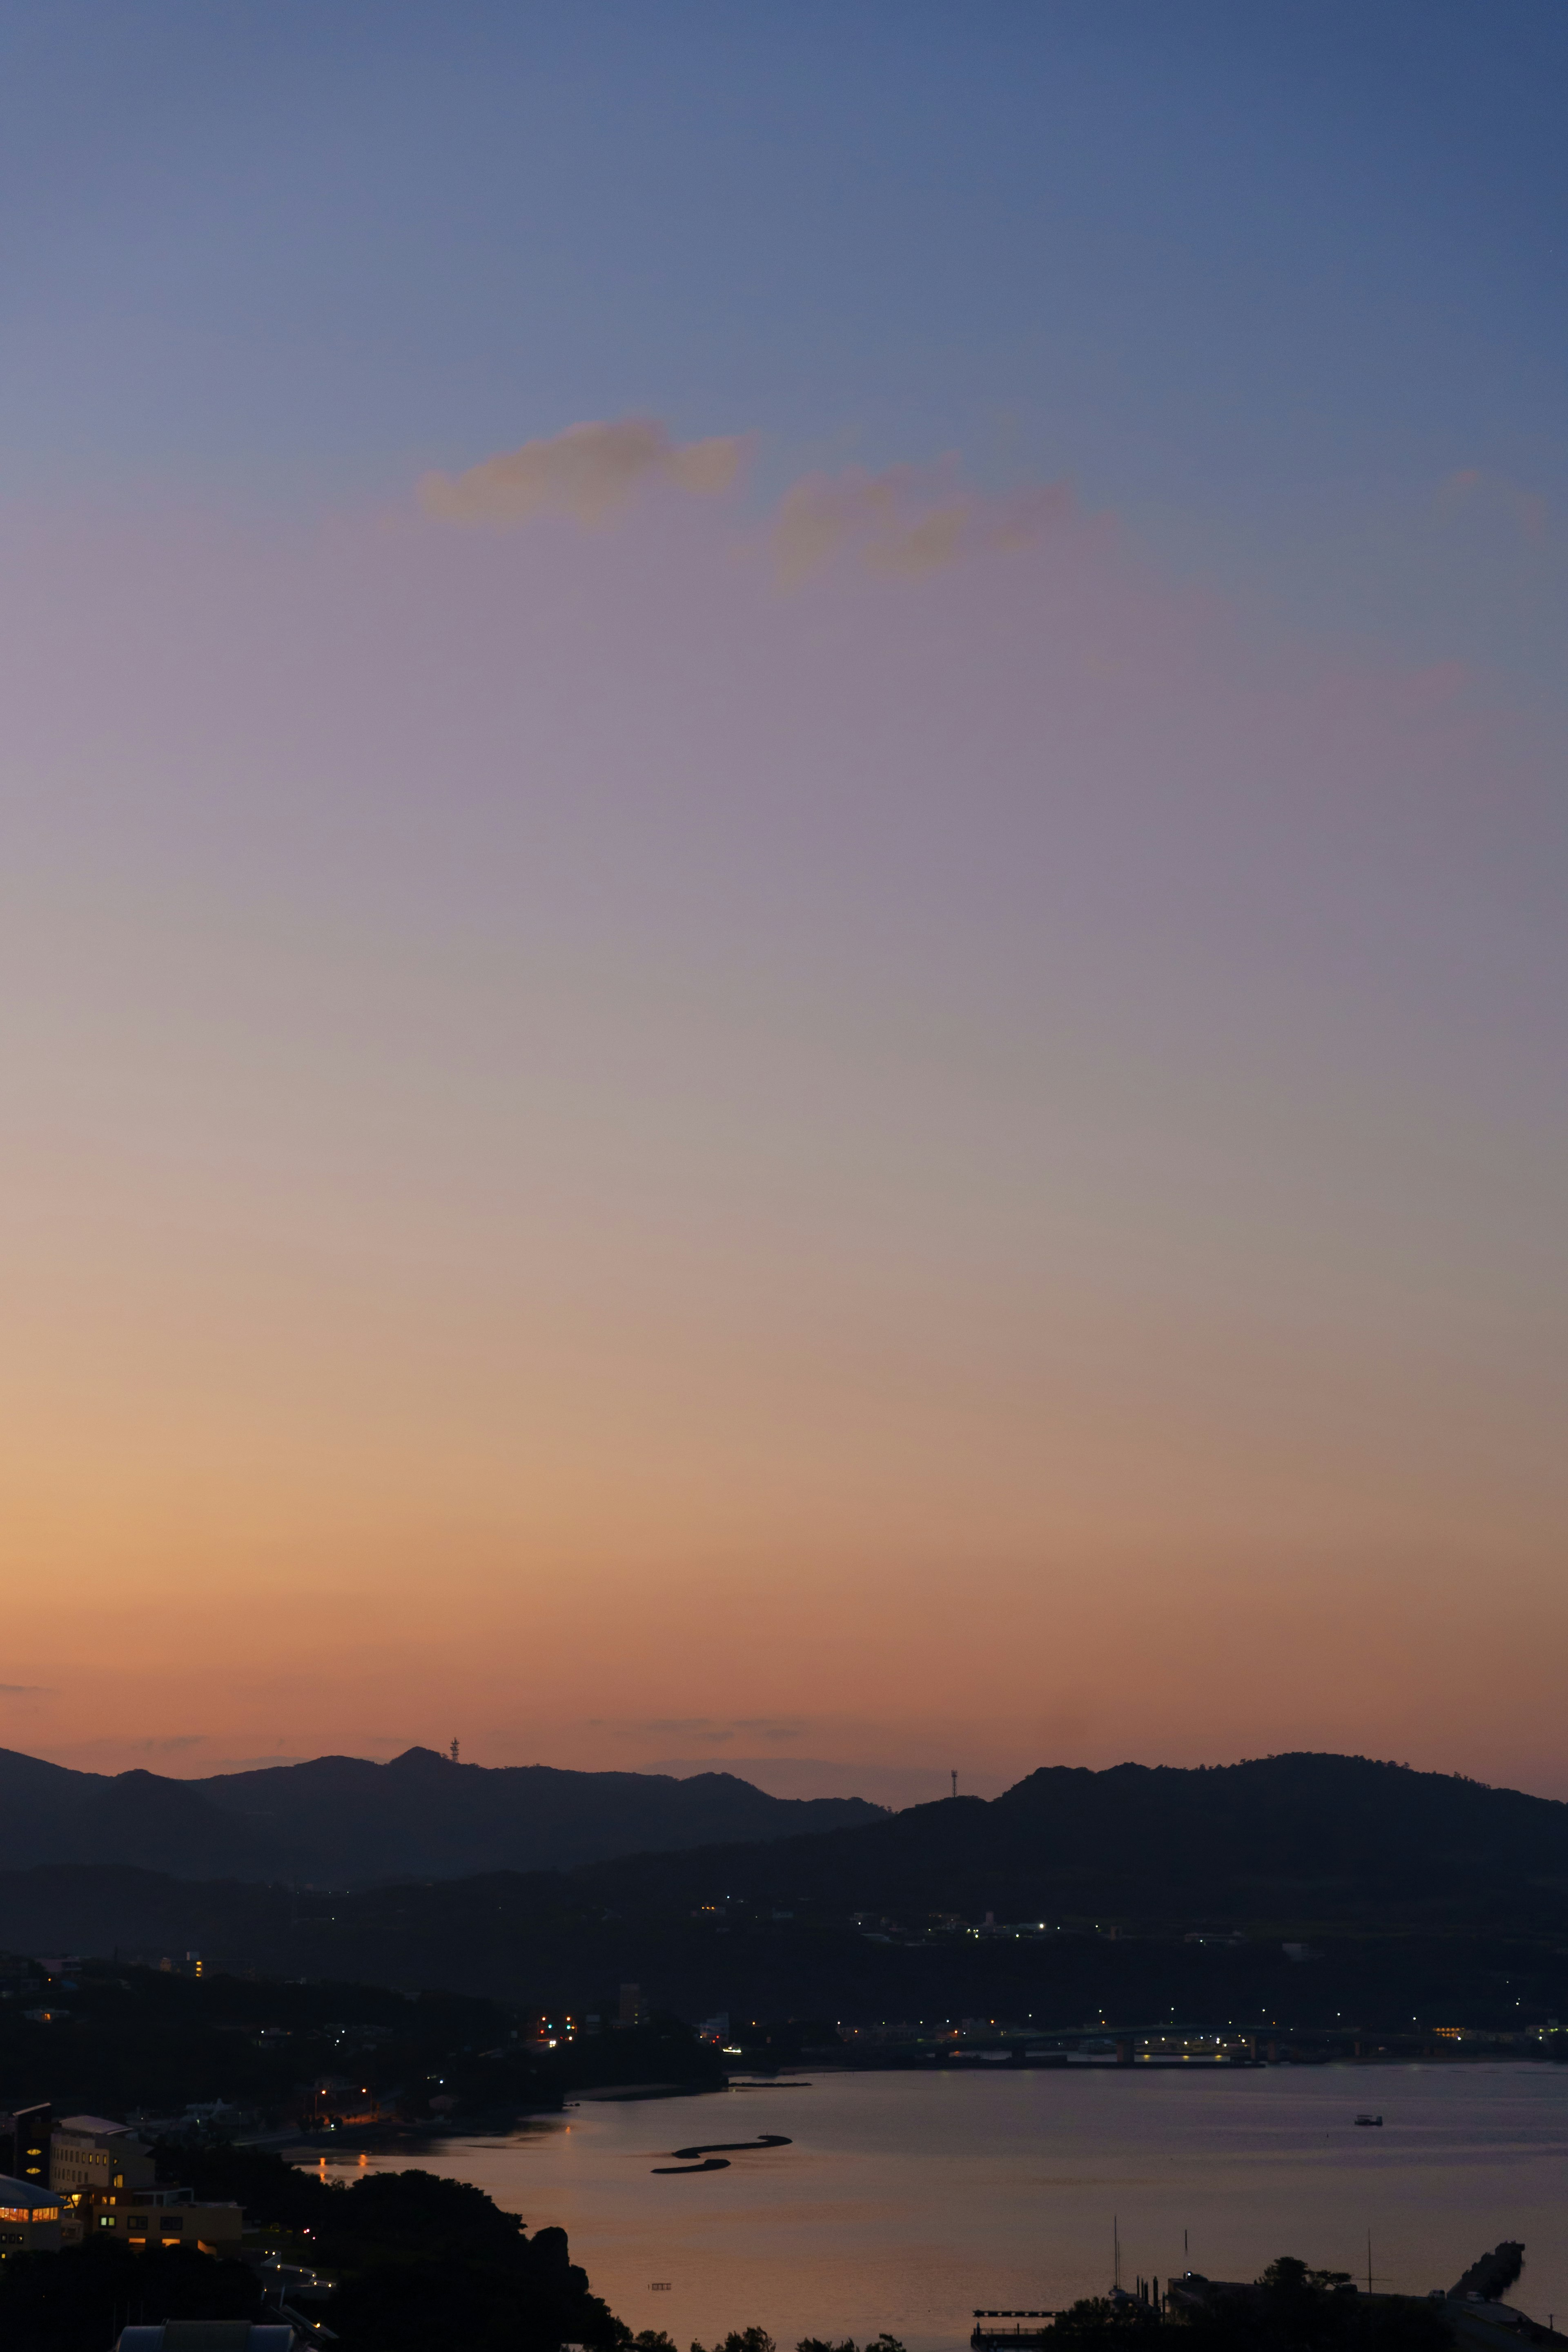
[(900, 524), (586, 472), (904, 523)]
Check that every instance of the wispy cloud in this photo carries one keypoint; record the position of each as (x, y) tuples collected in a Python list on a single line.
[(905, 523), (701, 1727), (587, 472), (27, 1690), (706, 1731), (900, 524)]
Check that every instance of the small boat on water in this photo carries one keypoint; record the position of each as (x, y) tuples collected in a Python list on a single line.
[(1369, 2119)]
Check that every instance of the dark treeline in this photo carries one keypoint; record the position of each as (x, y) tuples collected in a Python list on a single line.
[(122, 2039), (424, 2264), (528, 1942)]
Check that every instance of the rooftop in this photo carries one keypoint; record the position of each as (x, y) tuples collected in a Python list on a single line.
[(25, 2192)]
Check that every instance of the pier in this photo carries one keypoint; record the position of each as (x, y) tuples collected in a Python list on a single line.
[(993, 2339)]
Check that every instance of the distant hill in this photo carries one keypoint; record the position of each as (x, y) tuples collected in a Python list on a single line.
[(1423, 1894), (1292, 1837), (341, 1821)]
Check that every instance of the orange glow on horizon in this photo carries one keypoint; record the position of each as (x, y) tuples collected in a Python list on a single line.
[(903, 1173)]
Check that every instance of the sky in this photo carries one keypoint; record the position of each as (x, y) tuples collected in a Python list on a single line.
[(781, 911)]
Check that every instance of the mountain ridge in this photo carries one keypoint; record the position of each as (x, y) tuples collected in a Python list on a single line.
[(347, 1821), (1282, 1888), (1136, 1839)]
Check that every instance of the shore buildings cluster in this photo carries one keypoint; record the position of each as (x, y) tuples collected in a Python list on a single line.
[(79, 2176)]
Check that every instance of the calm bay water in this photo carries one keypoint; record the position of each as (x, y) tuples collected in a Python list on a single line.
[(903, 2201)]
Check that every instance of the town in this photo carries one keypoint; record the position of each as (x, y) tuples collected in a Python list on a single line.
[(170, 2176)]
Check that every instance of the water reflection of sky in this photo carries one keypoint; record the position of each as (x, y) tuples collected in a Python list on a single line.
[(903, 2202)]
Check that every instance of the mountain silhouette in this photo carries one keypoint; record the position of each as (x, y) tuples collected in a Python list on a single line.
[(1409, 1893), (341, 1821), (1339, 1837)]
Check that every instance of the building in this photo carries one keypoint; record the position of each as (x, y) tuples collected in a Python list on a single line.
[(105, 2182), (25, 2144), (334, 2100), (161, 2217), (93, 2154), (29, 2218)]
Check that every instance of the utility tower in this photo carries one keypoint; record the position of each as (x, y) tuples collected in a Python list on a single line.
[(454, 1751), (956, 1784)]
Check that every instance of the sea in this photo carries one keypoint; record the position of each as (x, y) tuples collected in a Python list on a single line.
[(903, 2203)]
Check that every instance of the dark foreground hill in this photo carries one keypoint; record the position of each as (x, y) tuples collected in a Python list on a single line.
[(1423, 1895), (341, 1821), (421, 2265)]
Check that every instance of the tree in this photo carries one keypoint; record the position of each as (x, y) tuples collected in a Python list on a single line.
[(76, 2300)]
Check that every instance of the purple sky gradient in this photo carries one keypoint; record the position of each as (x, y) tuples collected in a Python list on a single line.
[(902, 1080), (555, 1064)]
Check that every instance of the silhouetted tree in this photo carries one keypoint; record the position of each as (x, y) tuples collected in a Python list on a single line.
[(76, 2300)]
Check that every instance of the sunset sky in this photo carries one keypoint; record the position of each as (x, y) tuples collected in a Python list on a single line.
[(782, 915)]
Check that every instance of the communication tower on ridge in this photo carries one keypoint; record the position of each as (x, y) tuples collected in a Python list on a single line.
[(454, 1751)]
